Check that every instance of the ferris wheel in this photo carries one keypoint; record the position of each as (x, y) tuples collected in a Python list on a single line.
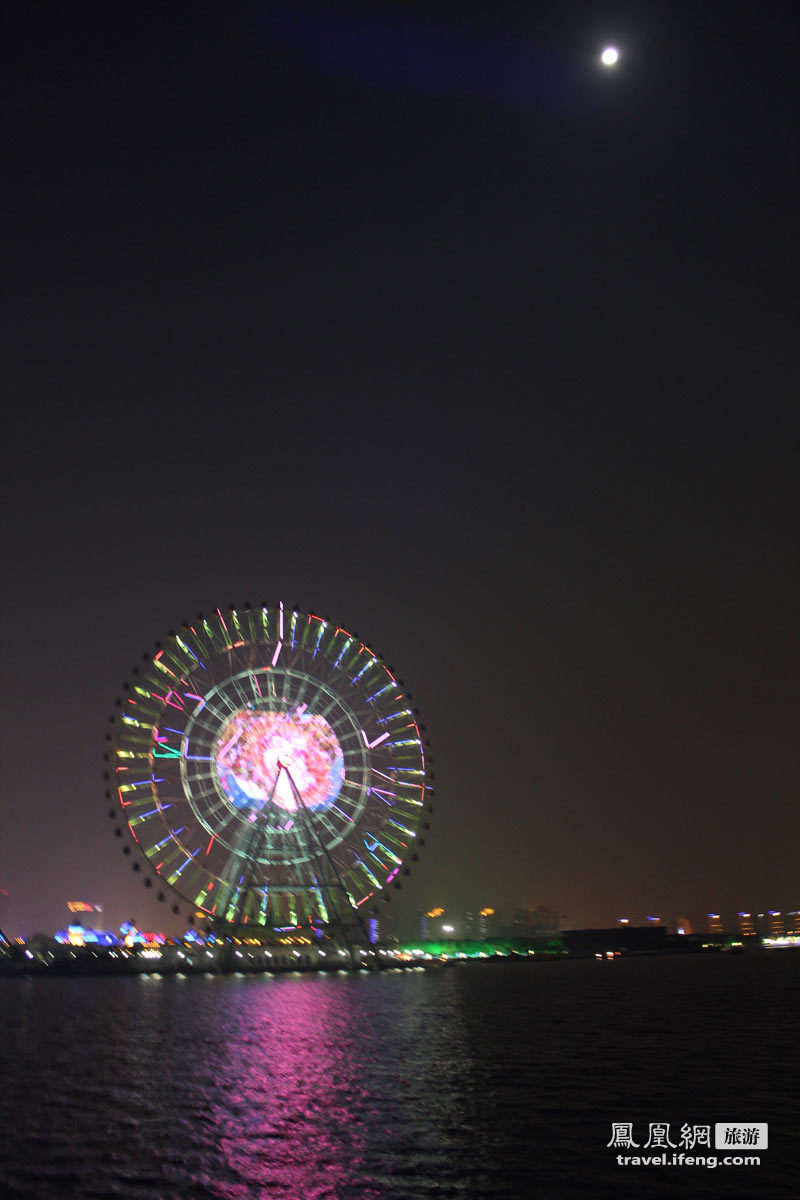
[(270, 769)]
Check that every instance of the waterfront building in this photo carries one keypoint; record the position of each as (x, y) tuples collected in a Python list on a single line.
[(715, 923), (428, 923), (529, 922), (793, 923), (79, 935), (81, 910), (777, 927), (544, 921), (747, 926), (521, 922), (487, 923)]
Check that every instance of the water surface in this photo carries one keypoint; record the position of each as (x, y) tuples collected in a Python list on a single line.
[(484, 1080)]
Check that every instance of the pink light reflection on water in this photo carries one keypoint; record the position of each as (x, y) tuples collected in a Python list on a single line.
[(294, 1121)]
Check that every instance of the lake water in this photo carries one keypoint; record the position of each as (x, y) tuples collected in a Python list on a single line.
[(483, 1080)]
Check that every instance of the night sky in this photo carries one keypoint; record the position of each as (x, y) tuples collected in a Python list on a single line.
[(415, 316)]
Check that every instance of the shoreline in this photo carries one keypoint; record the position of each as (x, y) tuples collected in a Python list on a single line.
[(172, 961)]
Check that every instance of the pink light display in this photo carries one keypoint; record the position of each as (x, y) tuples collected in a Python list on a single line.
[(259, 755)]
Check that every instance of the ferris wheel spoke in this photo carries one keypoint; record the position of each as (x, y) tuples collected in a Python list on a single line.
[(351, 735), (334, 705), (204, 723), (213, 714), (286, 690), (315, 690), (321, 819), (243, 698), (219, 818)]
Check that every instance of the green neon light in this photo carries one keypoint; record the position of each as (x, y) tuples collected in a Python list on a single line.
[(366, 869), (393, 857)]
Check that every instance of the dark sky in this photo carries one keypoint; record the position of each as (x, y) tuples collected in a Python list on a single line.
[(415, 316)]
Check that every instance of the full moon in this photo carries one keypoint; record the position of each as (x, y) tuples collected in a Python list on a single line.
[(609, 56)]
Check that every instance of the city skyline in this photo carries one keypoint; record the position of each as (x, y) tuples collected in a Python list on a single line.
[(477, 921)]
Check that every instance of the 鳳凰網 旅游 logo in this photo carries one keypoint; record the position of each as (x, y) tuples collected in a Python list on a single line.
[(667, 1144)]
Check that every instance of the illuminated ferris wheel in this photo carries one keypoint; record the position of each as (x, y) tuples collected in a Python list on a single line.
[(270, 769)]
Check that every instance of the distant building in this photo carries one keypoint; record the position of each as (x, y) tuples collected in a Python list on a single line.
[(84, 926), (777, 926), (684, 926), (487, 923), (545, 920), (747, 926), (793, 923), (78, 935), (534, 922), (132, 936), (521, 922), (82, 911), (429, 923), (715, 923)]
